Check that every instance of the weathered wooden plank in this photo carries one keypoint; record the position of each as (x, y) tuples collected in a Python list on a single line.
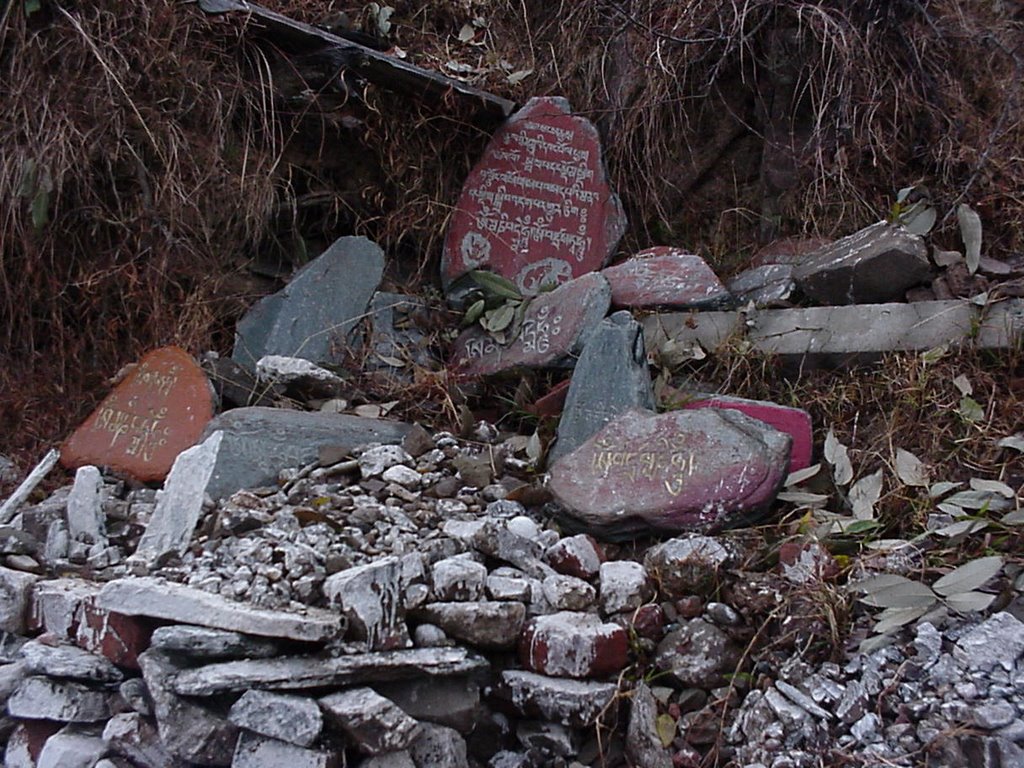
[(861, 330), (376, 67)]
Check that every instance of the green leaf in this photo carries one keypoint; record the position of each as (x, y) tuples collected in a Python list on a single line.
[(1013, 518), (499, 319), (864, 495), (475, 311), (496, 285), (836, 455), (970, 231), (934, 354), (969, 601), (881, 581), (941, 489), (971, 410), (919, 219), (861, 526), (993, 486), (665, 725), (795, 478), (534, 448), (1016, 442), (961, 528), (40, 209), (968, 576)]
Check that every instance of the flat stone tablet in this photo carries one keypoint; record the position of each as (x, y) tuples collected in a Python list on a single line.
[(158, 411), (556, 325), (699, 470), (537, 207), (666, 277)]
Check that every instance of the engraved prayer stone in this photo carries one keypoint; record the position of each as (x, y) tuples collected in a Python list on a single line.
[(537, 207), (700, 470), (555, 326), (158, 411), (665, 277)]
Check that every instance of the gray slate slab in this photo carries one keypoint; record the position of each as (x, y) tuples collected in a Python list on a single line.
[(863, 331), (304, 672), (260, 442), (69, 661), (176, 602), (40, 698), (878, 263), (211, 644), (314, 315), (295, 719), (611, 377), (374, 723), (180, 503)]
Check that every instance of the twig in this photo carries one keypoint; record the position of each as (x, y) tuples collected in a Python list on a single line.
[(10, 507)]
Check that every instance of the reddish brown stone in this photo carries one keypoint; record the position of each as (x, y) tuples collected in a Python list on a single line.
[(647, 621), (158, 411), (580, 556), (555, 326), (118, 637), (569, 644), (793, 421), (537, 207), (665, 277), (27, 740), (690, 470), (553, 402), (788, 250)]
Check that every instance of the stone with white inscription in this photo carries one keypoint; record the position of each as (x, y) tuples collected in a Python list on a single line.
[(700, 470), (259, 442), (286, 717), (537, 207), (313, 317), (877, 264), (159, 410), (610, 377), (370, 598), (556, 325), (374, 723), (665, 277), (180, 504)]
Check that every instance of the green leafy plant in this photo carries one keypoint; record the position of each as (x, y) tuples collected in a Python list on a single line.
[(913, 210), (497, 305)]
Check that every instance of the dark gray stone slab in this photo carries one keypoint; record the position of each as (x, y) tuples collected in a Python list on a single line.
[(483, 624), (397, 344), (207, 643), (295, 719), (575, 703), (314, 315), (768, 285), (374, 723), (555, 326), (699, 470), (189, 731), (877, 264), (305, 672), (611, 377), (260, 442), (69, 661)]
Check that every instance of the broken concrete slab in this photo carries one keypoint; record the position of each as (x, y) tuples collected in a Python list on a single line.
[(305, 672), (878, 263), (833, 334), (175, 602), (259, 442)]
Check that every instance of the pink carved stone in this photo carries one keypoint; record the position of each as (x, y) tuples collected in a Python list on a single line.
[(158, 411), (793, 421), (689, 470), (665, 277), (570, 644), (555, 326), (537, 207)]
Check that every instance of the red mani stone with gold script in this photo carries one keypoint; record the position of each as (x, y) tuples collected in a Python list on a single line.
[(158, 411)]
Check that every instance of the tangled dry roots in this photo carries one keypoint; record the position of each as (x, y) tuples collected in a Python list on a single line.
[(149, 153)]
